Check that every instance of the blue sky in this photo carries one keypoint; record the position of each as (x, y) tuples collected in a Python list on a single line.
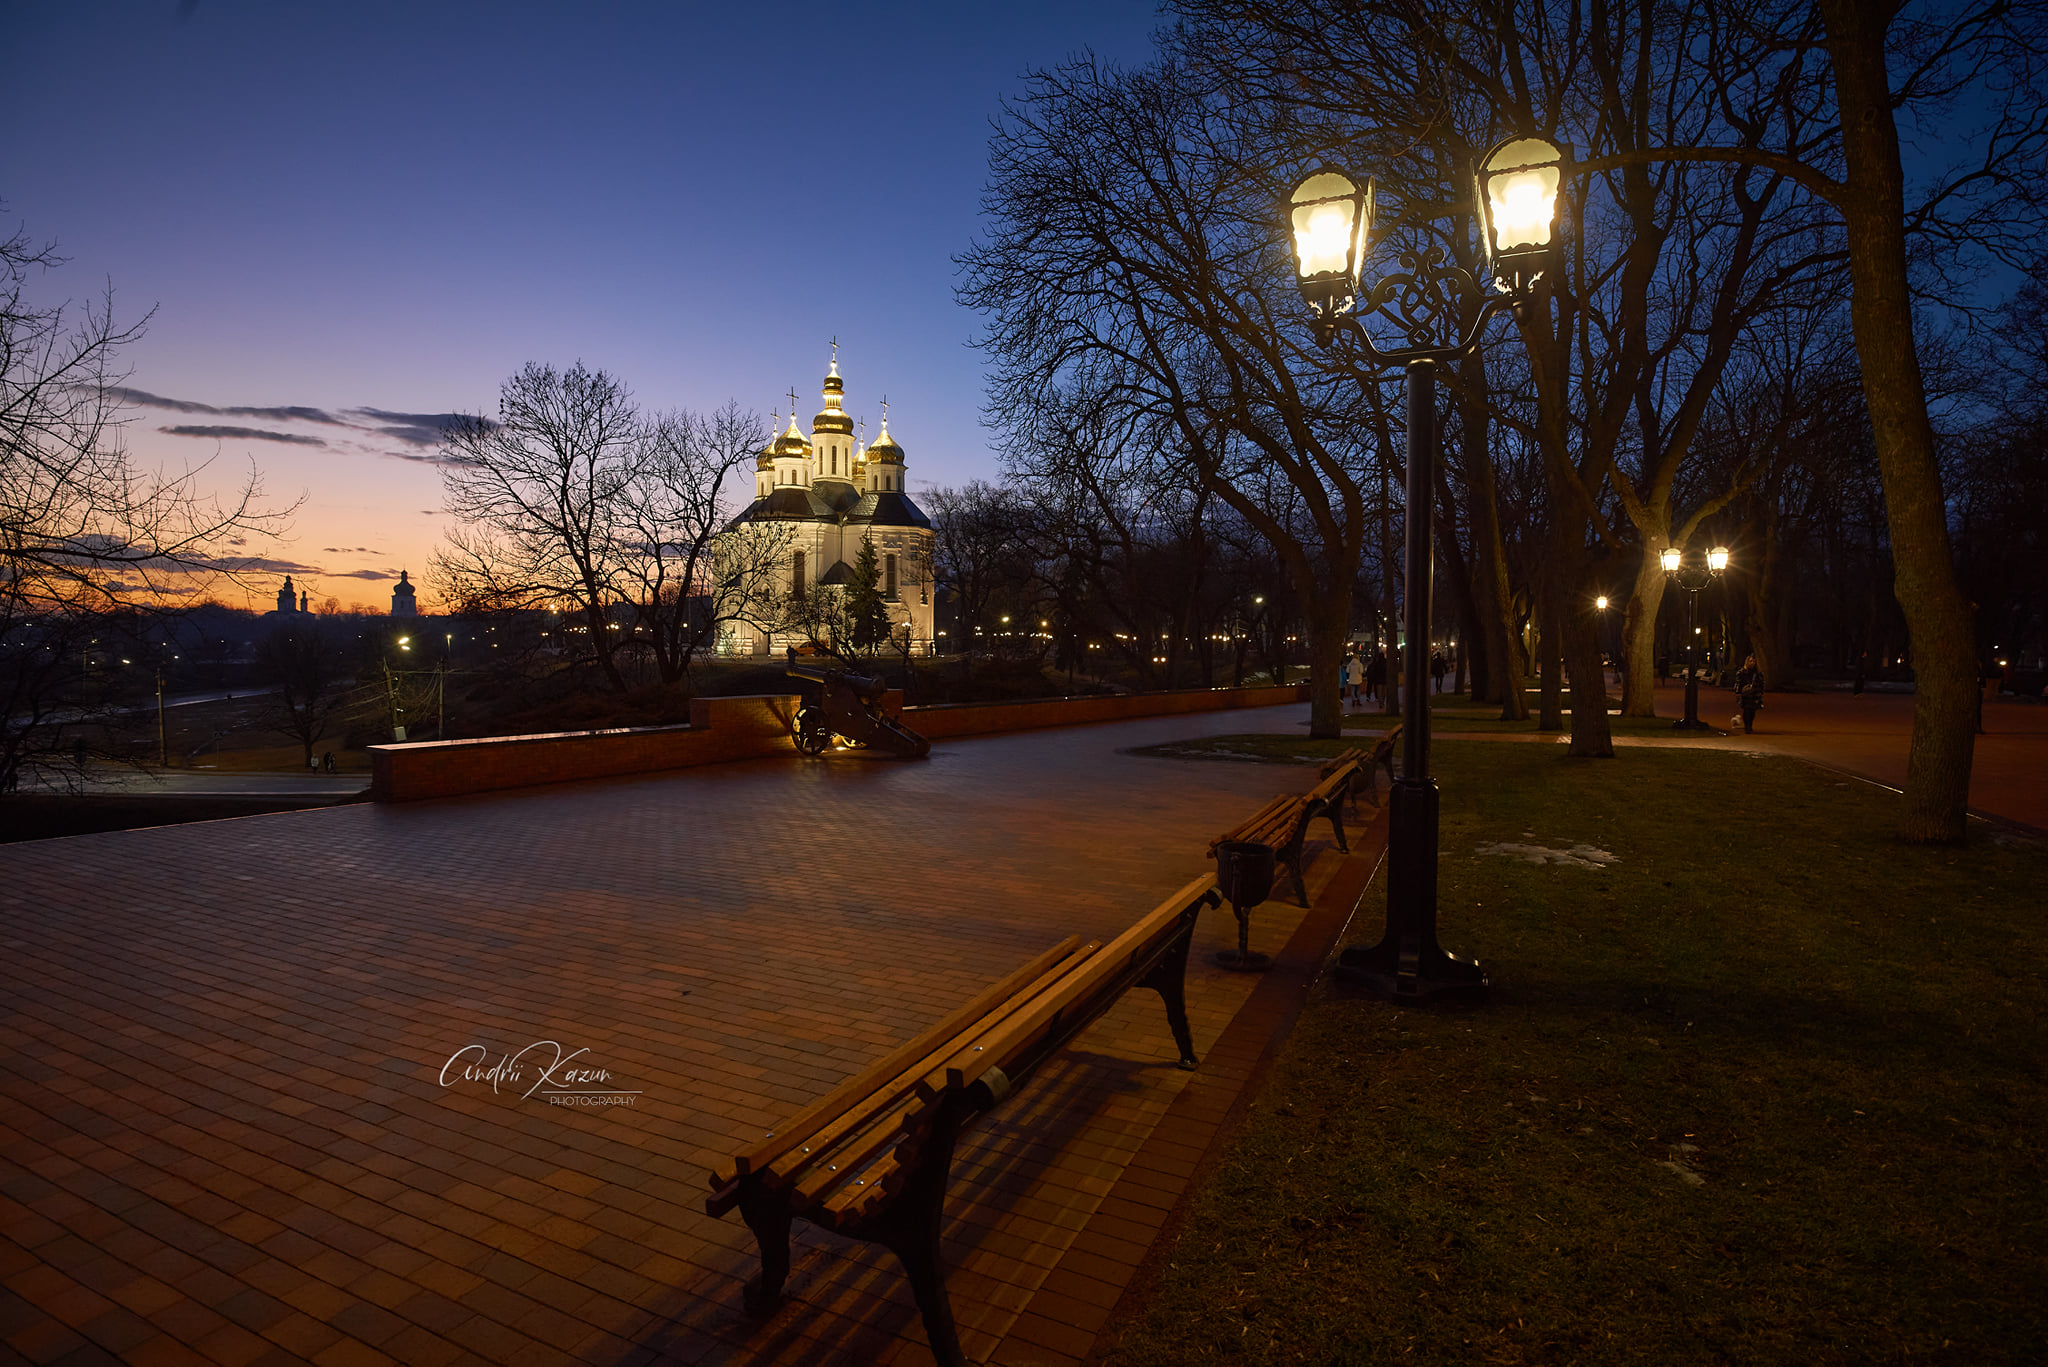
[(377, 210)]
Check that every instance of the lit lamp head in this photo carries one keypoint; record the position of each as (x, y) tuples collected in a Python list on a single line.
[(1330, 214), (1516, 186), (1668, 557), (1717, 559)]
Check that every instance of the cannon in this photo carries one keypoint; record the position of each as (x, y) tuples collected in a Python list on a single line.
[(849, 707)]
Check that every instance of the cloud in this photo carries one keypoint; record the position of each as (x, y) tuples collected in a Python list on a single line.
[(347, 550), (242, 434), (146, 399), (420, 429), (425, 457), (365, 574), (382, 432)]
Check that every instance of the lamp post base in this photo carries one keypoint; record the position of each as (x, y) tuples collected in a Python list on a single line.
[(1243, 960), (1408, 965), (1402, 973)]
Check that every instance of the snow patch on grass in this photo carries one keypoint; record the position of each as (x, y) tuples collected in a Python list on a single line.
[(1577, 856)]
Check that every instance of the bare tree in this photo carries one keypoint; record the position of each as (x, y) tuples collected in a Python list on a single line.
[(85, 536), (1133, 258), (540, 498), (686, 570), (308, 671), (569, 499)]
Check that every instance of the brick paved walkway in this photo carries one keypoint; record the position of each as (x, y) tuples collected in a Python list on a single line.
[(234, 1134)]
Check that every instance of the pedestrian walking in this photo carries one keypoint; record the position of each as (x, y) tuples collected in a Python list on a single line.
[(1375, 675), (1354, 678), (1749, 691), (1437, 669)]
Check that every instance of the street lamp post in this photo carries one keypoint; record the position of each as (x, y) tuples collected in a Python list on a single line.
[(1692, 578), (1515, 197)]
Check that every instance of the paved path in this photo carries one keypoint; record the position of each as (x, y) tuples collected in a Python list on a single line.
[(232, 1133), (234, 783)]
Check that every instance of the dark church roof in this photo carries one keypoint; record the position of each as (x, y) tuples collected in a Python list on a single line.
[(840, 573), (788, 501), (839, 494), (889, 509)]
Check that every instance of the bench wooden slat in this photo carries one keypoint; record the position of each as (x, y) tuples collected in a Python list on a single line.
[(852, 1204), (1238, 832), (857, 1088), (1001, 1047), (1334, 784), (1355, 755), (785, 1168), (971, 1044), (848, 1159)]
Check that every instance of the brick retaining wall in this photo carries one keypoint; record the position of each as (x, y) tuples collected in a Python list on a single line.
[(741, 728)]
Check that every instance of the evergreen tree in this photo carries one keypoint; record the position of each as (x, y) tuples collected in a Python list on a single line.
[(866, 610)]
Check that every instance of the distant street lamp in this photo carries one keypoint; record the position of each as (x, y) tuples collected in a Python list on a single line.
[(1692, 578), (1515, 198)]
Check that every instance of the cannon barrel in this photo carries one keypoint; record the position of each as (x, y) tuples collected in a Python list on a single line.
[(864, 687)]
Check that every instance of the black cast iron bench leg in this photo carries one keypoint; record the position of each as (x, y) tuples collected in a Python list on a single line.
[(768, 1216)]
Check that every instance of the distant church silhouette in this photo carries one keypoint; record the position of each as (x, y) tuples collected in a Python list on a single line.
[(404, 601)]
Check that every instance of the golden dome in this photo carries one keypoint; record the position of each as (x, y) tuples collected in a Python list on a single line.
[(833, 419), (791, 444)]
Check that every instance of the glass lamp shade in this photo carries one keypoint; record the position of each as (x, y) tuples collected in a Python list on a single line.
[(1669, 558), (1516, 197), (1330, 214), (1717, 559)]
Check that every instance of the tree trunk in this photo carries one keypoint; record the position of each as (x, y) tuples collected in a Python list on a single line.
[(1494, 604), (1592, 738), (1766, 606), (1329, 626), (1550, 651), (1639, 639), (1939, 621)]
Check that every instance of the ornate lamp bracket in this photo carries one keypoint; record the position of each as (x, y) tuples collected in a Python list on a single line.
[(1421, 301)]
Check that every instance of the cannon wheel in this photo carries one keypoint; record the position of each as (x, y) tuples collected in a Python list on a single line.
[(810, 732)]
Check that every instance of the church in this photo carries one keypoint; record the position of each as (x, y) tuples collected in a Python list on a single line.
[(830, 493)]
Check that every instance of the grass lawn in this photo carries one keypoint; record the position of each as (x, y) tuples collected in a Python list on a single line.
[(1768, 1088)]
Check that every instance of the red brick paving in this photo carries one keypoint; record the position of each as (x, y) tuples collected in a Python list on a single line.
[(227, 1138)]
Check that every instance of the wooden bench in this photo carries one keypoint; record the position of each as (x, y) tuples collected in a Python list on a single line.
[(871, 1159), (1340, 781), (1380, 757), (1279, 826)]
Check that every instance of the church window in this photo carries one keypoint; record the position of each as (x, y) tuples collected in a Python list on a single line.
[(889, 563), (796, 577)]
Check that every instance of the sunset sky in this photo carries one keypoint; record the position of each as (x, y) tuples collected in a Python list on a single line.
[(351, 218)]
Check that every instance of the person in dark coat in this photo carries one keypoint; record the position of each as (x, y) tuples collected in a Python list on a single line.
[(1375, 674), (1437, 669), (1749, 691)]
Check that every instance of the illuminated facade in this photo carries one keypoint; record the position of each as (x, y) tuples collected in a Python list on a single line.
[(831, 493)]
